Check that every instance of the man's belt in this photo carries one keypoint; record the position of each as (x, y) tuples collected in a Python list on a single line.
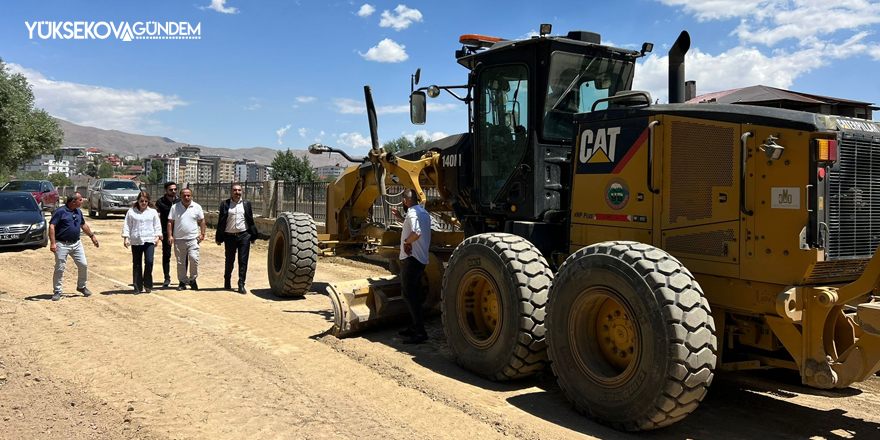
[(236, 234)]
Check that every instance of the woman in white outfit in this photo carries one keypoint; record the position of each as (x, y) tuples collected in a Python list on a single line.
[(142, 230)]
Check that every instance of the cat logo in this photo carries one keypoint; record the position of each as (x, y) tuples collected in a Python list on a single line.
[(599, 147)]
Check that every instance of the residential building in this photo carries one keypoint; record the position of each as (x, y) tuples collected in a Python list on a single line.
[(92, 152), (113, 160), (332, 171), (73, 151), (189, 151), (766, 96), (47, 164), (223, 168), (242, 170)]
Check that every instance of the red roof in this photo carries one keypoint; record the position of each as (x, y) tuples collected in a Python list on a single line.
[(124, 176), (93, 150)]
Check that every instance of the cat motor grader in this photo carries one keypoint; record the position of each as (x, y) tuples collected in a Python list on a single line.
[(639, 247)]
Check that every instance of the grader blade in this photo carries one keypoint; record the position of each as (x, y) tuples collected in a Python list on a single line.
[(361, 304), (365, 303)]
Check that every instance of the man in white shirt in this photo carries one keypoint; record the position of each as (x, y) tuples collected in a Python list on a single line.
[(414, 243), (186, 227), (237, 230)]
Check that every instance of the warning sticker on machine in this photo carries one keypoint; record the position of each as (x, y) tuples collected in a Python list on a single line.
[(785, 198)]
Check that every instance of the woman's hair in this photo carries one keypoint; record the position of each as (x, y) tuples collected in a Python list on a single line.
[(144, 195)]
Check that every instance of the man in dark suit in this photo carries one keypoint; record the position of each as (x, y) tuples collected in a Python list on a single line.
[(236, 229), (163, 205)]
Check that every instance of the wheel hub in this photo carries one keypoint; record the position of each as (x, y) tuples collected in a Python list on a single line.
[(616, 335), (479, 308), (605, 337)]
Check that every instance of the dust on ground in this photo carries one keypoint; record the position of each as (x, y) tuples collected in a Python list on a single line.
[(216, 364)]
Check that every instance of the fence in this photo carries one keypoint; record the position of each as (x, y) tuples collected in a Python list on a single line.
[(272, 197)]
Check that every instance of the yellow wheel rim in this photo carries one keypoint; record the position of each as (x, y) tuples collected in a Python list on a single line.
[(479, 308), (615, 332), (604, 336)]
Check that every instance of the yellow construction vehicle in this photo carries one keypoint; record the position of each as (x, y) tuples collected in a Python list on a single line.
[(639, 247)]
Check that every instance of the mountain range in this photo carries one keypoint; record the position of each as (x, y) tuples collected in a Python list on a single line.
[(125, 144)]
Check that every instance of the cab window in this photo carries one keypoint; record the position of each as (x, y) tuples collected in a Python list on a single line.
[(574, 84), (503, 123)]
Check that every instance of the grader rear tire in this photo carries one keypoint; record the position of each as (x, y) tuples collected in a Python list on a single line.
[(293, 254), (630, 336), (492, 301)]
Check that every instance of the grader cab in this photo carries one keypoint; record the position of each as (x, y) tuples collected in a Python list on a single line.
[(640, 247)]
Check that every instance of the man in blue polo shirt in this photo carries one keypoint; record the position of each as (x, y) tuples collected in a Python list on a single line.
[(64, 230)]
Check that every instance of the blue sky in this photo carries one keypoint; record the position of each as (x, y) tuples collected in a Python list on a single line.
[(282, 74)]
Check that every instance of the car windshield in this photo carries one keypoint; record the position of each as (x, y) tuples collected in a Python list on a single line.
[(576, 82), (22, 185), (13, 203), (121, 185)]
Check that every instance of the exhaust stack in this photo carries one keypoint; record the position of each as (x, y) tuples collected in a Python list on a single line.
[(676, 67)]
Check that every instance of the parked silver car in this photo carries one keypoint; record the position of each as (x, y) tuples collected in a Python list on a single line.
[(112, 196)]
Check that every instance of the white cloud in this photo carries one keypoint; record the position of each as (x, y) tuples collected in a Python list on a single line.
[(705, 10), (253, 107), (306, 99), (353, 140), (387, 51), (366, 10), (303, 131), (769, 22), (401, 18), (95, 106), (435, 136), (281, 131), (357, 107), (743, 66), (529, 34), (220, 6), (320, 136)]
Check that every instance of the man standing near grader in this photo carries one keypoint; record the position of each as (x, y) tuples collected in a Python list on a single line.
[(414, 243)]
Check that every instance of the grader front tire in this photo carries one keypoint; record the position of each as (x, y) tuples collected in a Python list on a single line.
[(293, 254), (493, 299), (630, 336)]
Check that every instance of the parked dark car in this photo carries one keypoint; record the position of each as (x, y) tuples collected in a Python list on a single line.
[(21, 221), (42, 190)]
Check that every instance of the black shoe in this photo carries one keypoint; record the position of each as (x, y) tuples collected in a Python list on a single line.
[(181, 286), (56, 296), (242, 290), (85, 291), (416, 339), (408, 332), (166, 284), (148, 290), (193, 285)]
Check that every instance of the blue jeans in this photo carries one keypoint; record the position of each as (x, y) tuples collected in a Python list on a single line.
[(143, 273)]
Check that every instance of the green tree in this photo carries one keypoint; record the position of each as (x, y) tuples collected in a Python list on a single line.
[(91, 170), (404, 143), (30, 175), (60, 179), (105, 170), (291, 168), (157, 172), (25, 131)]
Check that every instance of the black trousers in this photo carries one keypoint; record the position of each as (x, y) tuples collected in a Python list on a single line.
[(242, 244), (411, 271), (166, 258), (142, 272)]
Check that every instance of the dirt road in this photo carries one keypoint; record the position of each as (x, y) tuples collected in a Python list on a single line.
[(215, 364)]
